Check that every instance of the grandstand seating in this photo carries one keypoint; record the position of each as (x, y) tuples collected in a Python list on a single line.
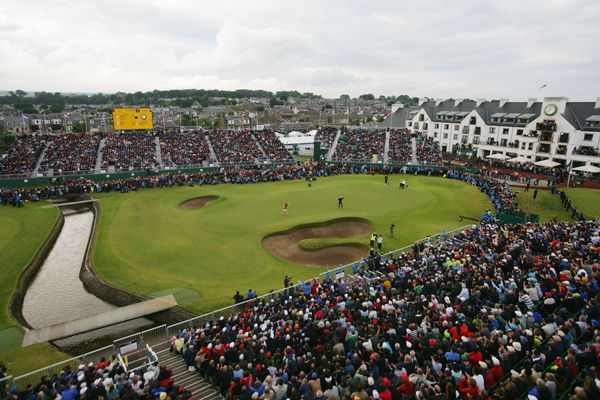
[(428, 151), (400, 149), (360, 145), (73, 152), (186, 148), (129, 150), (272, 146), (21, 156), (234, 147)]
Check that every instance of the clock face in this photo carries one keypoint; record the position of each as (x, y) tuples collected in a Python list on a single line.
[(550, 109), (144, 116)]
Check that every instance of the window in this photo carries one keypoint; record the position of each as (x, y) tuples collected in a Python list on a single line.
[(495, 119), (505, 131), (455, 127), (436, 126), (476, 140), (421, 117), (446, 126), (455, 137), (465, 129), (416, 125), (564, 138), (503, 142), (425, 125), (588, 137), (519, 131), (445, 136), (473, 120), (409, 123), (492, 129), (530, 146)]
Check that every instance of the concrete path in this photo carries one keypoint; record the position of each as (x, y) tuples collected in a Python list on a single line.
[(413, 145), (213, 155), (331, 151), (107, 318), (259, 147), (158, 152)]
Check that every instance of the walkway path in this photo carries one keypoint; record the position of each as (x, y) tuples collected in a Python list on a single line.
[(40, 159), (158, 152), (213, 155), (98, 166), (386, 149)]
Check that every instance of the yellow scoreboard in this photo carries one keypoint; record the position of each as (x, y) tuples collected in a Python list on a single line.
[(132, 118)]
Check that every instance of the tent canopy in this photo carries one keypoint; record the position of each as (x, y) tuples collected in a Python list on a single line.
[(587, 168), (547, 163), (498, 156), (519, 159)]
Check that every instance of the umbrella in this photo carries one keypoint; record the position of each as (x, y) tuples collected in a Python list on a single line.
[(547, 163), (498, 156), (519, 159), (587, 168)]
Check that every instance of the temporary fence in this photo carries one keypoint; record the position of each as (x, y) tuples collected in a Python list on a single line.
[(141, 343)]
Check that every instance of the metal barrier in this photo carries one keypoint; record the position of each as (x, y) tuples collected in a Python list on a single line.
[(161, 334), (5, 384)]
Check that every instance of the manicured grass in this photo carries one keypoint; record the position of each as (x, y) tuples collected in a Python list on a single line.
[(586, 201), (147, 244), (547, 205), (315, 244), (22, 233), (26, 359), (182, 295)]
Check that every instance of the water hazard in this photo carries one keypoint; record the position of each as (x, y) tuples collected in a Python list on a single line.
[(57, 294)]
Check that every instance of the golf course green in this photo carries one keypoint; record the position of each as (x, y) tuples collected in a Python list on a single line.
[(146, 243)]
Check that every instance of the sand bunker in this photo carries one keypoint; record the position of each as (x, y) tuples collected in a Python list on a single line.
[(285, 244), (198, 202)]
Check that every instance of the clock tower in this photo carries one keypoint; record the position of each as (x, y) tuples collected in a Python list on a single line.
[(553, 107)]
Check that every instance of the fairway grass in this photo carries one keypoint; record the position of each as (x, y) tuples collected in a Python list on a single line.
[(147, 244), (586, 201), (546, 205)]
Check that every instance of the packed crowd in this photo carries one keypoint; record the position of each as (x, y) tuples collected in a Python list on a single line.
[(232, 146), (400, 146), (186, 148), (129, 150), (525, 167), (106, 379), (428, 151), (71, 152), (22, 155), (585, 150), (272, 146), (326, 135), (360, 145), (497, 312)]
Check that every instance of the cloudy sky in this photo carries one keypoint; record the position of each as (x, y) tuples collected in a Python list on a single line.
[(460, 48)]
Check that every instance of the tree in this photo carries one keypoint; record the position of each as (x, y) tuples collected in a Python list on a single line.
[(20, 93), (345, 97), (57, 108), (368, 96), (260, 108), (78, 127)]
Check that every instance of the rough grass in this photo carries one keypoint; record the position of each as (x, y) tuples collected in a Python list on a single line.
[(147, 244), (22, 232)]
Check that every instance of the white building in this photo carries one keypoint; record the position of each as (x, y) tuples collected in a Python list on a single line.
[(297, 143), (555, 128)]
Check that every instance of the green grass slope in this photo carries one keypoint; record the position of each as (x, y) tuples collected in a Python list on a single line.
[(147, 244), (587, 201), (547, 205)]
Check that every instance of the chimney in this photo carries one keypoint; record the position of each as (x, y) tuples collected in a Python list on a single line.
[(423, 100), (479, 102), (502, 102), (597, 105), (530, 101), (457, 102), (438, 101)]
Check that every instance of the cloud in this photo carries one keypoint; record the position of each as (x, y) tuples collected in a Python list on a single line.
[(464, 49)]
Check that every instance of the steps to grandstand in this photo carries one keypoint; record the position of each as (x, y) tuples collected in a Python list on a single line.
[(264, 153), (331, 151), (98, 166), (40, 159), (201, 389), (158, 152), (413, 145), (386, 149), (213, 155)]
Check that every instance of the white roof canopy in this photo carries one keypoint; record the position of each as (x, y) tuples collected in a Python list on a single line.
[(547, 163), (587, 168), (498, 156)]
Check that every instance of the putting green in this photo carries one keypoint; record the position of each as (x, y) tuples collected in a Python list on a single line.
[(10, 338), (182, 295), (147, 244), (587, 201)]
